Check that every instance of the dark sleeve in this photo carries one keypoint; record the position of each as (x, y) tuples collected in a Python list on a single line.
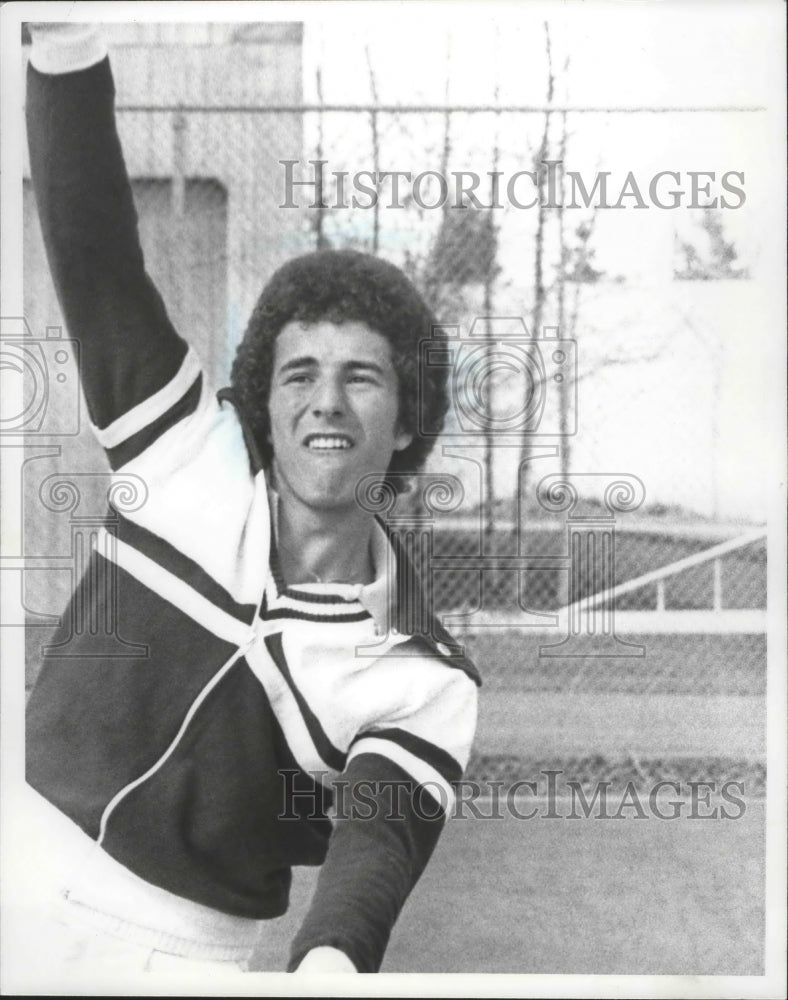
[(386, 828), (133, 364)]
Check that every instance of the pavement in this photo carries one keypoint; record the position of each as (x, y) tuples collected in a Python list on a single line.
[(536, 723)]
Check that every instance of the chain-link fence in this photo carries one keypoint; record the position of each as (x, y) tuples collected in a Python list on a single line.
[(606, 371), (210, 185)]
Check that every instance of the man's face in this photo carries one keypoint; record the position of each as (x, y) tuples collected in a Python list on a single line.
[(333, 410)]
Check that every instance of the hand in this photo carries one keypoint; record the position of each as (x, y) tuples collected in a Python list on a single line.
[(58, 29), (326, 959), (64, 46), (61, 33)]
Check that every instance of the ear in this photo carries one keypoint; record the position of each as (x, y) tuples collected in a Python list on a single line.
[(401, 440)]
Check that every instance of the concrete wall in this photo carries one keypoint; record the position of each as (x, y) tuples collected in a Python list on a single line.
[(206, 188), (217, 66)]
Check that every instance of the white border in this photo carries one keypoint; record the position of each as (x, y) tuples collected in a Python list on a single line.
[(770, 985)]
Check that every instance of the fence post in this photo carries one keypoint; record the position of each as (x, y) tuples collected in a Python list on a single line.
[(717, 565)]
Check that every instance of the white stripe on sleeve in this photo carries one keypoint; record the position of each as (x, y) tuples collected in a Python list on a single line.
[(419, 770), (143, 414), (174, 590)]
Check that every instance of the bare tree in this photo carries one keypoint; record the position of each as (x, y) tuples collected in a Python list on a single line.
[(564, 387), (440, 273), (490, 274), (541, 156), (319, 218), (373, 87), (711, 257)]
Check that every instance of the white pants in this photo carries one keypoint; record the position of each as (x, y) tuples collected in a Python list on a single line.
[(112, 928), (50, 952)]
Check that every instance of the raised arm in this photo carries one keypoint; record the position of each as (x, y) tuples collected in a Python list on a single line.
[(138, 375)]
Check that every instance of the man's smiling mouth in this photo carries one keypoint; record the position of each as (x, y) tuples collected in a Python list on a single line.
[(328, 442)]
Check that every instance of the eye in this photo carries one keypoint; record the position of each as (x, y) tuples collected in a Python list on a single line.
[(297, 378)]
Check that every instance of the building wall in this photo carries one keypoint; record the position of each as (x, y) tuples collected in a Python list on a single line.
[(206, 191), (216, 66)]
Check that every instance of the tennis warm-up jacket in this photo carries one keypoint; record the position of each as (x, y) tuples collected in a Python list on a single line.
[(206, 767)]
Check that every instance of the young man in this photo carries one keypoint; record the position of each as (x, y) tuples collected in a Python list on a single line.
[(189, 783)]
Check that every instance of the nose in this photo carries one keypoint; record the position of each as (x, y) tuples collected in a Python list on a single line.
[(328, 399)]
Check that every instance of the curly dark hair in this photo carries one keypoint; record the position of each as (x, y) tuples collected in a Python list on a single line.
[(340, 286)]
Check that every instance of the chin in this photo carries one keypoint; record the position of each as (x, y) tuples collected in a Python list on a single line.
[(330, 499)]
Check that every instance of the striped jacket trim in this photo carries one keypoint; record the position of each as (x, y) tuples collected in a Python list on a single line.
[(151, 409)]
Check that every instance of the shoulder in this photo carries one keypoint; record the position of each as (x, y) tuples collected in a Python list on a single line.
[(437, 650), (415, 616), (425, 714), (421, 679)]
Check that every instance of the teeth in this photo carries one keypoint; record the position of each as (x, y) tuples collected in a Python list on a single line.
[(329, 443)]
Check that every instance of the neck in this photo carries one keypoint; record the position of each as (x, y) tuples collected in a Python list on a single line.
[(324, 546)]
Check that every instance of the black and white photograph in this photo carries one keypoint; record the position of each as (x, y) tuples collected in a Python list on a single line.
[(393, 455)]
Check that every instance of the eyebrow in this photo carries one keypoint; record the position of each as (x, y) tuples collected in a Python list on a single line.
[(309, 362)]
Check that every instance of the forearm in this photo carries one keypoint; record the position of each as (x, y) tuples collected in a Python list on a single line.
[(128, 348), (372, 865)]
